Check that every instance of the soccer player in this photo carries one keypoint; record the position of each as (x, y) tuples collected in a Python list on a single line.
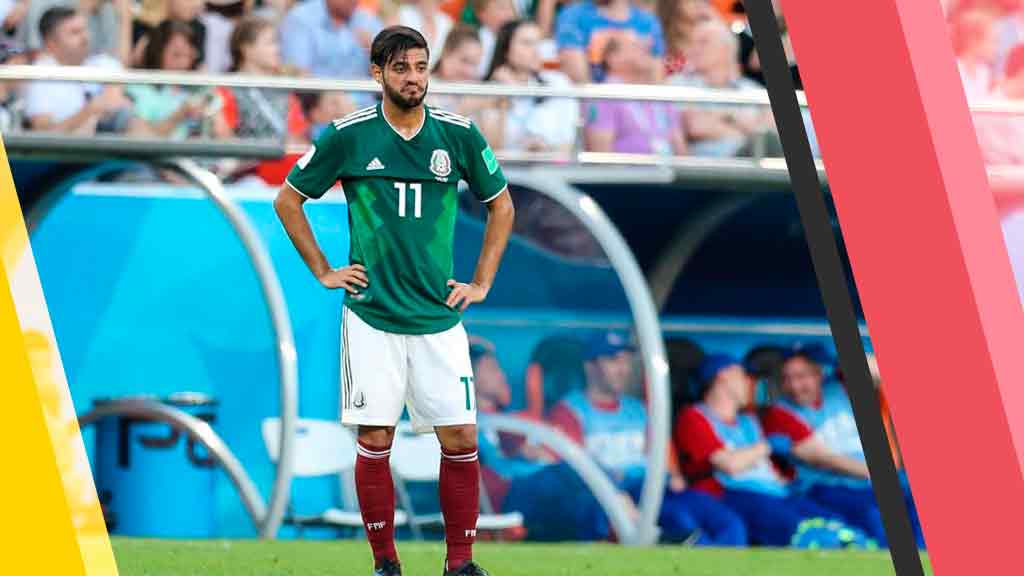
[(403, 341)]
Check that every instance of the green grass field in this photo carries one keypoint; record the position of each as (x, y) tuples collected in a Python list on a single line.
[(350, 557)]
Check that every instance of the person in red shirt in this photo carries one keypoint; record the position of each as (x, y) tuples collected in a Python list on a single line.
[(724, 452), (611, 426)]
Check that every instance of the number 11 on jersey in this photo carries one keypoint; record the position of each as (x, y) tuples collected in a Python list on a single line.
[(417, 190)]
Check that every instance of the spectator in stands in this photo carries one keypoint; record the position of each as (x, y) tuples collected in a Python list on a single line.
[(628, 126), (273, 10), (330, 38), (459, 61), (724, 452), (220, 19), (1000, 135), (72, 107), (13, 15), (321, 108), (254, 112), (109, 24), (721, 130), (975, 44), (155, 12), (816, 419), (1009, 30), (678, 18), (492, 15), (170, 111), (583, 30), (427, 17), (531, 124), (612, 429)]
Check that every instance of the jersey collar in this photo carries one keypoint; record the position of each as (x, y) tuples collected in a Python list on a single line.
[(399, 134)]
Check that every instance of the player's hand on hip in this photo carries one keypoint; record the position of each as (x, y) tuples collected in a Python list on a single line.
[(351, 278), (462, 295)]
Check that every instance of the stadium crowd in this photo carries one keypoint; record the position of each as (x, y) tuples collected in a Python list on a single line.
[(765, 449), (543, 42), (988, 41)]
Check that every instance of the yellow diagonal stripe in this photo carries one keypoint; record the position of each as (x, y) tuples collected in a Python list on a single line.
[(52, 522)]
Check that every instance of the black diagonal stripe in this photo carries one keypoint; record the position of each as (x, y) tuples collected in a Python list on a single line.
[(833, 284)]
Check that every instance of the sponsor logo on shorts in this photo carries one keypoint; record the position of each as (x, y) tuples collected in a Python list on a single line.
[(359, 401)]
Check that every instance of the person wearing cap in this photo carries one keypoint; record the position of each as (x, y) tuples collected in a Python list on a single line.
[(725, 453), (816, 418), (611, 426)]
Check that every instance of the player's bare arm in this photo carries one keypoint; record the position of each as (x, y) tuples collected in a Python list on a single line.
[(500, 217), (288, 206), (814, 451)]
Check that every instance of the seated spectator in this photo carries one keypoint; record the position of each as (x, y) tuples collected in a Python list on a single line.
[(720, 130), (427, 17), (459, 61), (975, 44), (155, 12), (504, 462), (321, 108), (540, 11), (13, 18), (678, 18), (612, 429), (330, 38), (583, 30), (109, 24), (816, 418), (724, 452), (254, 112), (72, 107), (170, 111), (1000, 135), (492, 16), (220, 19), (531, 124), (274, 10), (629, 126), (11, 105)]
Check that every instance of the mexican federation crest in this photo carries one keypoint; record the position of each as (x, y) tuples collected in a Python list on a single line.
[(440, 163)]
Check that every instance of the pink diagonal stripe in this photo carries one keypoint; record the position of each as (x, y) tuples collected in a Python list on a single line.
[(930, 264)]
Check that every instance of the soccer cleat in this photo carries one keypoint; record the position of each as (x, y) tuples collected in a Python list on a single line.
[(467, 569), (388, 568)]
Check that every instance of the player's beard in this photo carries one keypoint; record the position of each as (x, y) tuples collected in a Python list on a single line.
[(404, 102)]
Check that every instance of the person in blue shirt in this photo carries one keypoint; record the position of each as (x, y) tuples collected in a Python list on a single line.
[(612, 428), (583, 30), (815, 416), (330, 39), (725, 453)]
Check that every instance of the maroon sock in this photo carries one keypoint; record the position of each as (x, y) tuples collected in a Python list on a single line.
[(377, 500), (460, 503)]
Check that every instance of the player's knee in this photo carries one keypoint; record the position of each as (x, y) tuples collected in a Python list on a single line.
[(376, 437), (460, 438)]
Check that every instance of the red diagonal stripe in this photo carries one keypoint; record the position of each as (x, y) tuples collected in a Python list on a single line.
[(931, 268)]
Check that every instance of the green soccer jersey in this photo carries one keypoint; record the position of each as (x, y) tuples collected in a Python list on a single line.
[(402, 204)]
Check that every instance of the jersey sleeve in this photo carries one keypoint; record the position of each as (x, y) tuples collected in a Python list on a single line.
[(320, 167), (563, 418), (482, 171), (778, 420), (695, 441)]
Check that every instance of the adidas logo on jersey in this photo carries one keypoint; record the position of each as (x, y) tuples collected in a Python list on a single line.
[(375, 164)]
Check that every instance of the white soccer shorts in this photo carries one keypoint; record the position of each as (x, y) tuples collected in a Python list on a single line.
[(382, 372)]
